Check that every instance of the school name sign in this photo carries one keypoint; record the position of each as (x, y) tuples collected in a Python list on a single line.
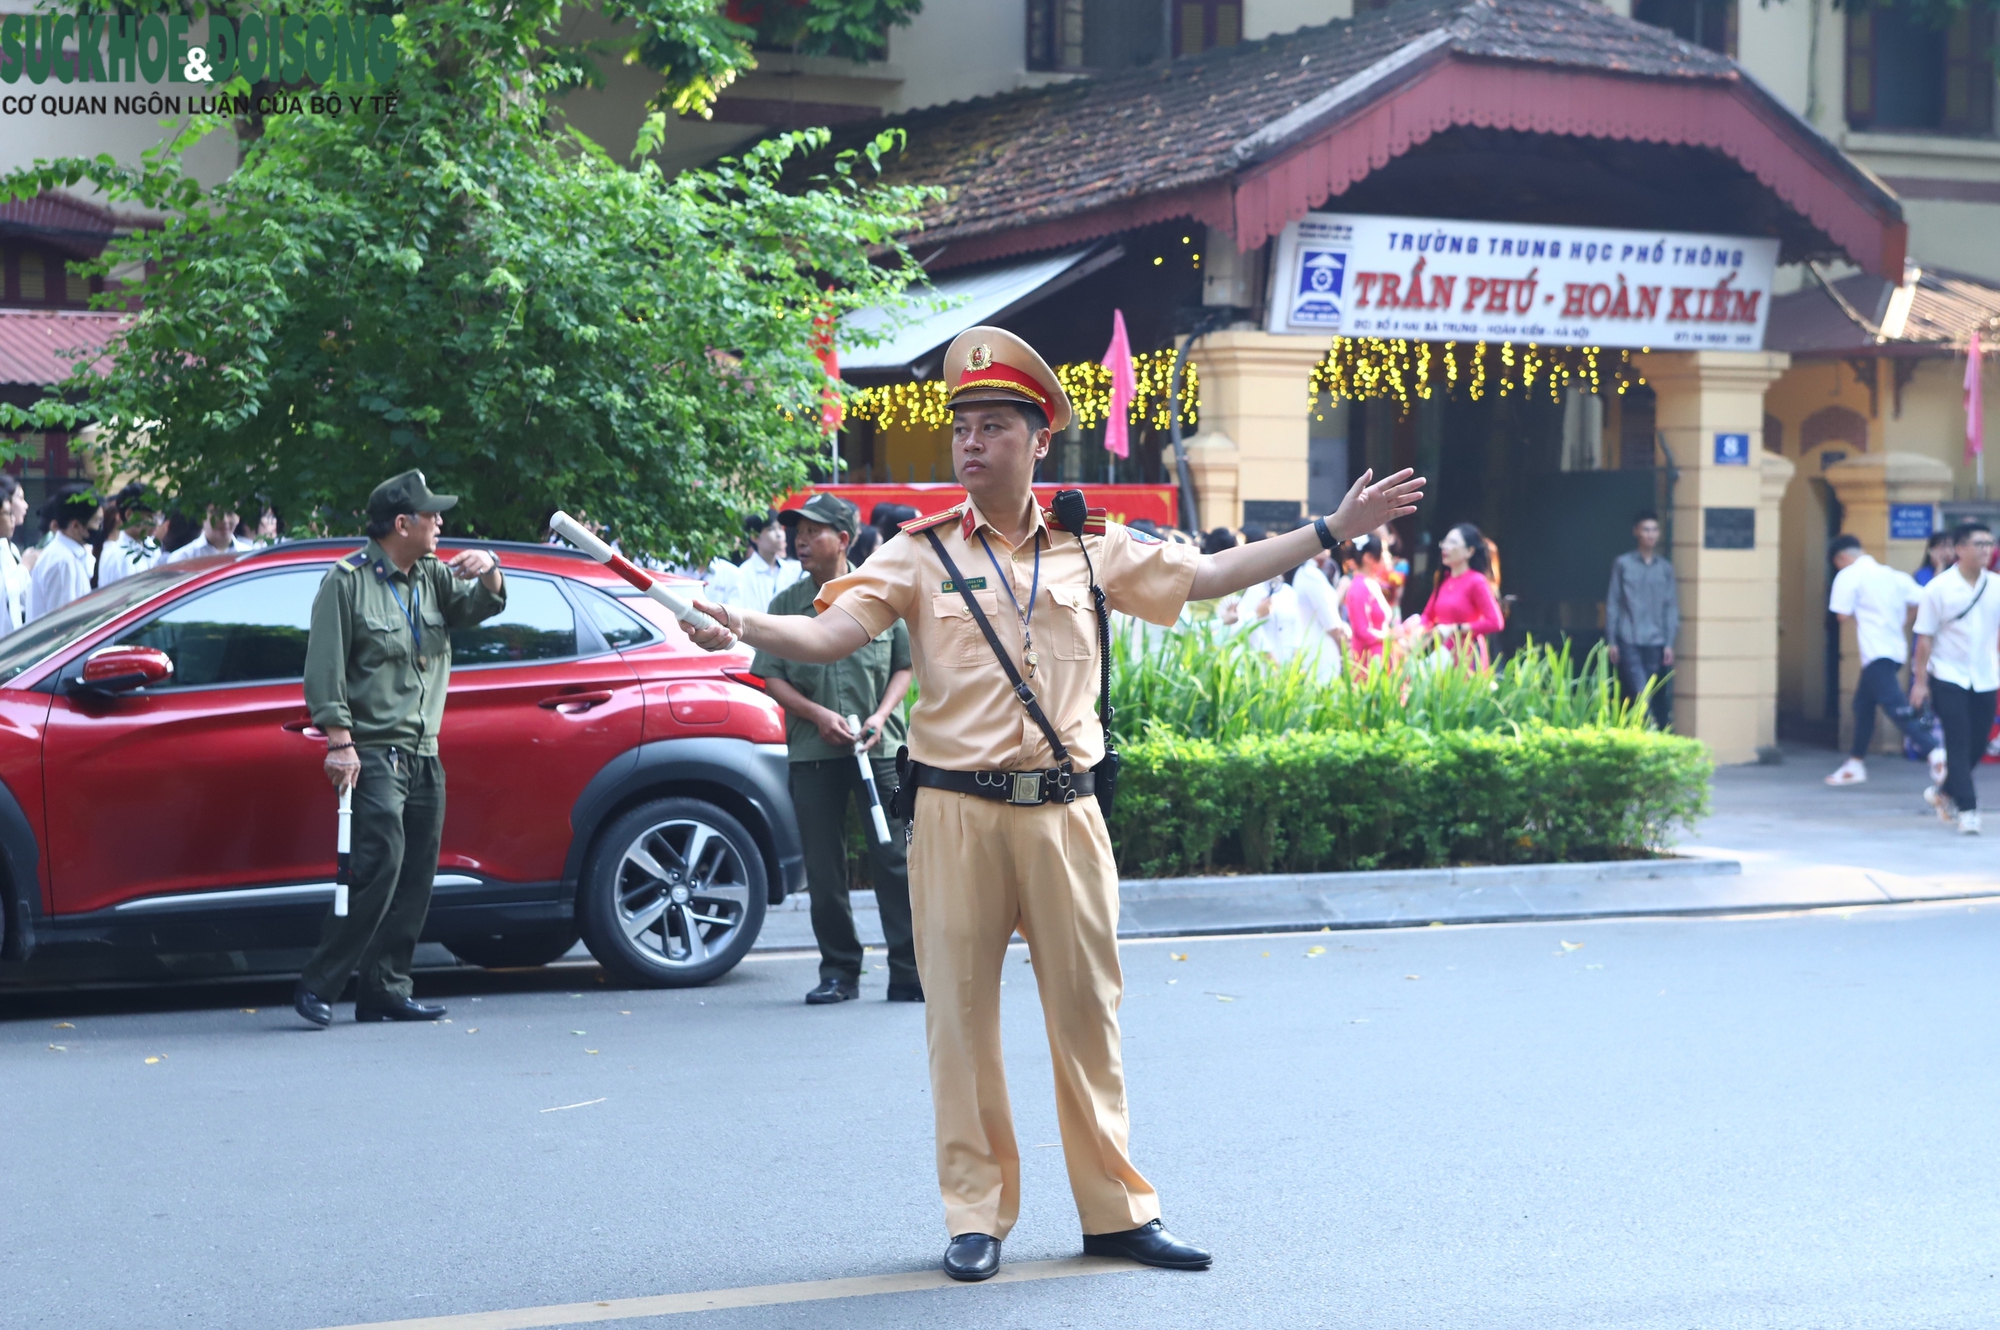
[(1352, 275), (159, 48)]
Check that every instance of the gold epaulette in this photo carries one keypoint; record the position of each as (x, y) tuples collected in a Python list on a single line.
[(354, 562), (935, 519)]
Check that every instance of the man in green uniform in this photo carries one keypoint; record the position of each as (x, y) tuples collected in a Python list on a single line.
[(377, 666), (817, 700)]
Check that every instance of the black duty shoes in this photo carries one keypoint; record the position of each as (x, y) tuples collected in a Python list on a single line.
[(972, 1257), (409, 1009), (311, 1005), (831, 991), (1149, 1244), (906, 992)]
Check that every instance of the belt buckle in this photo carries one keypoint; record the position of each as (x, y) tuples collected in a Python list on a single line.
[(1027, 788)]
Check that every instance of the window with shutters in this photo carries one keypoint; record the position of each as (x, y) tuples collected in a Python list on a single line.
[(1203, 25), (1709, 23), (1055, 34), (1907, 73)]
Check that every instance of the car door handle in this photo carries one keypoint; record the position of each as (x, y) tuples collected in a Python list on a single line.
[(571, 703), (306, 728)]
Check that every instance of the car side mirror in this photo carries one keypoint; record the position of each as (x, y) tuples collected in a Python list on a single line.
[(121, 669)]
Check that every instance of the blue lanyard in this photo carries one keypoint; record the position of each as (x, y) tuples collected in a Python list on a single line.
[(410, 613), (1034, 591)]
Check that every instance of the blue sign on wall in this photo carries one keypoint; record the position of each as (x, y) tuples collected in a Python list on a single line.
[(1911, 521), (1732, 450)]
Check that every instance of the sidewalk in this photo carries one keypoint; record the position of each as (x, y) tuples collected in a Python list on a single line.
[(1777, 838)]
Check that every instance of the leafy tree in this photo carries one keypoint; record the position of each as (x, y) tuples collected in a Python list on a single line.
[(457, 285)]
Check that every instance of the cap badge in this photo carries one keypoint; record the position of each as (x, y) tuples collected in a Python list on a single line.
[(981, 357)]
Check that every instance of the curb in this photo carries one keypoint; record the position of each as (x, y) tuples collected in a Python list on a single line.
[(1154, 907)]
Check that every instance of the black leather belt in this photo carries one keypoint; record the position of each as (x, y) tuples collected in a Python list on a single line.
[(1024, 788)]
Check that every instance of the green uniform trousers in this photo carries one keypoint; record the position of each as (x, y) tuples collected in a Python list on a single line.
[(398, 825), (820, 791)]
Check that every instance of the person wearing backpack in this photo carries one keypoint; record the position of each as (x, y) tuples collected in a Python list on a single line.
[(1957, 668)]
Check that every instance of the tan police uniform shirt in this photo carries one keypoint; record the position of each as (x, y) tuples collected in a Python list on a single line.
[(967, 717)]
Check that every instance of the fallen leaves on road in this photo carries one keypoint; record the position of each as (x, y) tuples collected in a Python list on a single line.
[(591, 1051), (576, 1032), (559, 1108), (64, 1025), (1219, 997), (1315, 951), (472, 1029), (1435, 923), (248, 1011), (151, 1061), (624, 1013), (1177, 955), (1412, 976), (1572, 946), (58, 1048)]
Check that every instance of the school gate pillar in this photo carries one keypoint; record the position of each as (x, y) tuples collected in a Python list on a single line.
[(1710, 417), (1255, 390), (1871, 488)]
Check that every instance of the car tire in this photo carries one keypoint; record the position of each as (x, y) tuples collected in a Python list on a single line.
[(508, 951), (672, 894)]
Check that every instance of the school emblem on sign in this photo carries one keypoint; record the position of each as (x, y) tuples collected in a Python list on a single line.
[(981, 357)]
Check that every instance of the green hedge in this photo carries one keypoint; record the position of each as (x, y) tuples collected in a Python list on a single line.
[(1402, 798)]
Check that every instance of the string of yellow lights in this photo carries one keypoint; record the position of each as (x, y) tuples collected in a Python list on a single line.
[(1364, 368), (923, 405)]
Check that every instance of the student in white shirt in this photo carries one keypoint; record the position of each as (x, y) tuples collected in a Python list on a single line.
[(1322, 632), (766, 572), (218, 536), (62, 574), (1877, 600), (13, 573), (1957, 669), (125, 552)]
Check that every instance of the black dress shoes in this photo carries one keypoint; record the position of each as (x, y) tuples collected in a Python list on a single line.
[(1149, 1244), (906, 992), (408, 1009), (831, 991), (972, 1257), (311, 1005)]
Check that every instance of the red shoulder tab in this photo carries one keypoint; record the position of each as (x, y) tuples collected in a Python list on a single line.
[(1093, 520), (935, 519)]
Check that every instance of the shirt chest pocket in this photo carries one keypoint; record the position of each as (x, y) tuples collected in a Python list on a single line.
[(954, 639), (383, 639), (1073, 622)]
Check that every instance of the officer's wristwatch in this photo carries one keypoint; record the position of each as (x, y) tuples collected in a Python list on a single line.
[(1326, 540)]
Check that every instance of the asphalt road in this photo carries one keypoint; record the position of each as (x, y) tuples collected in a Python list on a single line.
[(1782, 1121)]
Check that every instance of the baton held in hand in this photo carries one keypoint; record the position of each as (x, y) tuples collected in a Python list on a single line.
[(572, 531), (868, 782), (341, 843)]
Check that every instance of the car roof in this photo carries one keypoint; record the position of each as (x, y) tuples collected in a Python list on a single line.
[(563, 559)]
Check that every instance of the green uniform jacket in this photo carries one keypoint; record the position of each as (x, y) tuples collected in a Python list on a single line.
[(850, 687), (364, 670)]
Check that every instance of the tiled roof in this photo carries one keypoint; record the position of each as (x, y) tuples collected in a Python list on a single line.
[(32, 341), (1030, 156), (71, 224), (1944, 307)]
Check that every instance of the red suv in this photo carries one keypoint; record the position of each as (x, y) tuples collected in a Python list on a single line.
[(606, 777)]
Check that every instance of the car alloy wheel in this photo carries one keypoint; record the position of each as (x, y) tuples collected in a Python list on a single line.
[(674, 895)]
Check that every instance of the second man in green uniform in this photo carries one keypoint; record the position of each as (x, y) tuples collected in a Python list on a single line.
[(817, 700)]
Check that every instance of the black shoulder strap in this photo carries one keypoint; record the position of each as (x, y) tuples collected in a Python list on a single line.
[(1021, 689), (1971, 605)]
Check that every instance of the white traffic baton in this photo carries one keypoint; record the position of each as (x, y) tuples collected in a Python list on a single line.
[(571, 530), (341, 843), (868, 781)]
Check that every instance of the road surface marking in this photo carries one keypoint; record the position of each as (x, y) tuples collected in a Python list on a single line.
[(763, 1295)]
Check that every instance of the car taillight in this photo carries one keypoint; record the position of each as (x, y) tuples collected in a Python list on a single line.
[(746, 678)]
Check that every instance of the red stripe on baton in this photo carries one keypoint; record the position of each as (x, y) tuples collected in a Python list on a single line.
[(630, 571)]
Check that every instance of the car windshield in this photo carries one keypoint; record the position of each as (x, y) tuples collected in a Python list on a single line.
[(30, 646)]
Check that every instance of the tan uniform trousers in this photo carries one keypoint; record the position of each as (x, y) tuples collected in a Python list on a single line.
[(979, 870)]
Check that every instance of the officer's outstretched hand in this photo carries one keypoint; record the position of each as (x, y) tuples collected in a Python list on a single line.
[(1371, 503), (721, 635)]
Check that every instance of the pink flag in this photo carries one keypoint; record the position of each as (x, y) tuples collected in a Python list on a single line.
[(1124, 386), (1975, 410)]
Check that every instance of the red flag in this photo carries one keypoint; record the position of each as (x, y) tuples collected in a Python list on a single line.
[(1124, 386)]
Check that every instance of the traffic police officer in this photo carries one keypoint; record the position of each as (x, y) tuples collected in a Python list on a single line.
[(377, 666), (817, 700), (997, 846)]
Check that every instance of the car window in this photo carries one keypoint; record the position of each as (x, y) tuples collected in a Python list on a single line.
[(538, 624), (30, 646), (620, 626), (247, 630)]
